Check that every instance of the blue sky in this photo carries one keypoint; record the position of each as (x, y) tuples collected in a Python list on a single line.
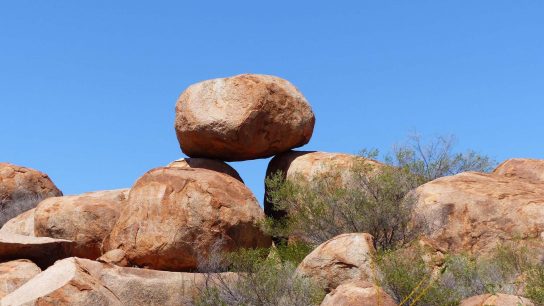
[(88, 88)]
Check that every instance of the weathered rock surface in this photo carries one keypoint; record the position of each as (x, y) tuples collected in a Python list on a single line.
[(174, 217), (22, 189), (308, 166), (344, 258), (496, 300), (43, 251), (522, 168), (358, 293), (23, 224), (242, 117), (85, 219), (473, 212), (76, 281), (206, 163), (15, 273)]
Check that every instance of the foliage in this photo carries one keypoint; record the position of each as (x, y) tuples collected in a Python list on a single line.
[(374, 202), (265, 277), (436, 158), (406, 276)]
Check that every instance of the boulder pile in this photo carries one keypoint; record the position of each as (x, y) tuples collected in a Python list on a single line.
[(150, 244)]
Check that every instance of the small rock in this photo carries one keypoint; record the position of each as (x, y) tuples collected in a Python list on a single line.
[(15, 273)]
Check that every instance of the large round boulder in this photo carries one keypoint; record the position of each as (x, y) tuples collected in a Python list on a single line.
[(175, 217), (522, 168), (475, 212), (22, 189), (206, 163), (242, 117), (85, 219), (347, 257)]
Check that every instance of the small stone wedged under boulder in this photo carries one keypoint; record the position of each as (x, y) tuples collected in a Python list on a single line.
[(475, 212), (76, 281), (206, 163), (243, 117), (358, 293), (13, 274), (496, 300), (522, 168), (347, 257), (21, 189), (85, 219), (22, 224), (175, 217), (310, 165), (43, 251)]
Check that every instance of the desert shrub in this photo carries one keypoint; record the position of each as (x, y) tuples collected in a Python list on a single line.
[(436, 158), (264, 278), (373, 202), (365, 198), (409, 279), (534, 289)]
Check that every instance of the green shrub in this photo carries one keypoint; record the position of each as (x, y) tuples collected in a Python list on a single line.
[(534, 289), (264, 278)]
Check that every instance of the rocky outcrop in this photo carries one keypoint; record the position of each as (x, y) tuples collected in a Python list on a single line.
[(22, 189), (358, 293), (496, 300), (85, 219), (206, 163), (175, 217), (23, 224), (344, 258), (307, 166), (15, 273), (242, 117), (522, 168), (473, 212), (41, 250), (75, 281)]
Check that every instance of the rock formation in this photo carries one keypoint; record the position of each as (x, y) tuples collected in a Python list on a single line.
[(22, 189), (76, 281), (522, 168), (41, 250), (15, 273), (206, 163), (474, 212), (175, 217), (344, 258), (85, 219), (243, 117), (496, 300), (359, 293), (22, 224)]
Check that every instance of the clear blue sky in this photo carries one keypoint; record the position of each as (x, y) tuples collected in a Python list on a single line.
[(88, 88)]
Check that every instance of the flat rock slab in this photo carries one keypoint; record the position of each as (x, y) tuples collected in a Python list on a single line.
[(77, 281), (43, 251)]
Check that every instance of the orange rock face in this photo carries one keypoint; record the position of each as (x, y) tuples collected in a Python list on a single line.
[(344, 258), (474, 212), (522, 168), (242, 117), (22, 189), (307, 166), (15, 273), (174, 217), (43, 251), (206, 163), (23, 224), (358, 293), (85, 219), (496, 300)]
